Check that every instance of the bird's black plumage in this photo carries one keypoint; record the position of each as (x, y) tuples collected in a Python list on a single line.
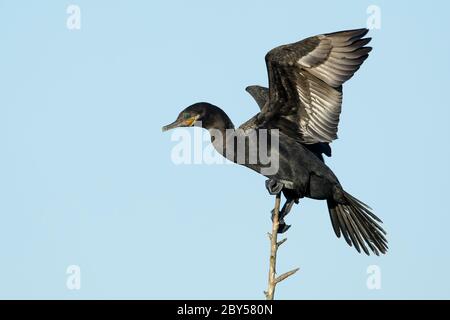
[(261, 96), (303, 104)]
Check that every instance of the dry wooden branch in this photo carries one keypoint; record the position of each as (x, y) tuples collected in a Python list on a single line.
[(279, 243), (285, 275), (274, 245)]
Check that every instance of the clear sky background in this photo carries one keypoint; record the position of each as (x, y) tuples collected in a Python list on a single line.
[(86, 176)]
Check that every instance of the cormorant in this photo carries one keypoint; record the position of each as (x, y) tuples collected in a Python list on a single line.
[(300, 110)]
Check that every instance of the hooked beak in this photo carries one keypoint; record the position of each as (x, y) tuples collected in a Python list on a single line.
[(181, 123), (175, 124)]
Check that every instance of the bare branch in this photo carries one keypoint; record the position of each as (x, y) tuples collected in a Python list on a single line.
[(279, 243), (285, 275), (273, 249), (274, 245)]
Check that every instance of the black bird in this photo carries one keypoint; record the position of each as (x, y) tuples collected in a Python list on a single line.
[(300, 110)]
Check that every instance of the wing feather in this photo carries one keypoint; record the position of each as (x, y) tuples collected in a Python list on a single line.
[(306, 78)]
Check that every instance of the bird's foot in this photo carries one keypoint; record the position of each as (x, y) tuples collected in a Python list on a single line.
[(274, 187), (283, 227), (286, 208)]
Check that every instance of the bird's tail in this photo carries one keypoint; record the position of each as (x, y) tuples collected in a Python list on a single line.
[(358, 224)]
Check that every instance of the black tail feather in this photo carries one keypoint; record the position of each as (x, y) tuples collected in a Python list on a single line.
[(358, 224)]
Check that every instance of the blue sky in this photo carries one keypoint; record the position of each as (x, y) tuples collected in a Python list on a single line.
[(86, 175)]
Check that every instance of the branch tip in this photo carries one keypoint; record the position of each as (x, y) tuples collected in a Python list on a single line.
[(286, 275), (279, 243)]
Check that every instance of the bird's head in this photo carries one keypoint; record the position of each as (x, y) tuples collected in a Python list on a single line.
[(201, 114)]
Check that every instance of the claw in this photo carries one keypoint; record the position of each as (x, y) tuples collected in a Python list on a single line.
[(274, 187)]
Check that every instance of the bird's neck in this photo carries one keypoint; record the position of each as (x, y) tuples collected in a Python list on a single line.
[(222, 127), (218, 121), (220, 131)]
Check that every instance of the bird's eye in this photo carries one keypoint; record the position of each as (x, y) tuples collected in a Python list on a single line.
[(186, 116)]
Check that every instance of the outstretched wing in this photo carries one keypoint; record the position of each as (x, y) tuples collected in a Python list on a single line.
[(305, 82)]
